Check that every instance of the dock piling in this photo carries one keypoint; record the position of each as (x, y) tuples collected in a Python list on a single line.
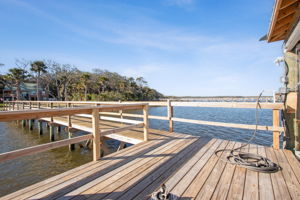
[(30, 124), (52, 134), (23, 122), (71, 146), (40, 127), (58, 129)]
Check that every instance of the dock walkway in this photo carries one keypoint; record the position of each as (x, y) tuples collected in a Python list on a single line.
[(132, 136), (186, 164)]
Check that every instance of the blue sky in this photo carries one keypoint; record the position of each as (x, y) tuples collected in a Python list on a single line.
[(181, 47)]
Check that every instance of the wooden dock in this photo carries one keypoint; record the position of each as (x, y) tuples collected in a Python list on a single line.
[(131, 136), (186, 164)]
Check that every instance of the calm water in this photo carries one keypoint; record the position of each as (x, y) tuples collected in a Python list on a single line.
[(19, 173)]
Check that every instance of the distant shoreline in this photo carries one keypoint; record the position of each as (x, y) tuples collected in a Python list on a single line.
[(180, 97)]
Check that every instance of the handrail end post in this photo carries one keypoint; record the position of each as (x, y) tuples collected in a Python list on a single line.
[(96, 134), (146, 121)]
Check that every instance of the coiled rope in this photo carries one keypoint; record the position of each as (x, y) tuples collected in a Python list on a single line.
[(250, 161)]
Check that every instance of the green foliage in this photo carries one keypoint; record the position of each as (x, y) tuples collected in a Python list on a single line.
[(38, 67), (15, 77), (17, 74), (66, 82)]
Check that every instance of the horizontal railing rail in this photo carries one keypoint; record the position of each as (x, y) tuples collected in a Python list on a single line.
[(160, 103), (42, 147), (92, 112), (276, 107)]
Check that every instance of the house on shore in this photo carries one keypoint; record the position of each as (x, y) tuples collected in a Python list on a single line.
[(28, 92)]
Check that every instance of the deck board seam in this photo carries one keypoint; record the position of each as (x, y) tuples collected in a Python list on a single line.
[(228, 165), (180, 155), (174, 173), (97, 163), (219, 177), (291, 164), (194, 164), (288, 189), (227, 142), (270, 176), (197, 174), (165, 148), (230, 182), (155, 165), (114, 166)]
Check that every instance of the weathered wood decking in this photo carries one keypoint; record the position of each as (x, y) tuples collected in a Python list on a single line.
[(185, 163)]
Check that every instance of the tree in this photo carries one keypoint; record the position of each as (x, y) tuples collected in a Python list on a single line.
[(17, 76), (38, 67), (66, 82), (84, 79), (102, 83), (66, 76), (141, 81)]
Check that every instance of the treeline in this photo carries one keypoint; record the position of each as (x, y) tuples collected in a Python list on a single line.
[(67, 82)]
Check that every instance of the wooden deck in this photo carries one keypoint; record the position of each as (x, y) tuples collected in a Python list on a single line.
[(132, 136), (186, 164)]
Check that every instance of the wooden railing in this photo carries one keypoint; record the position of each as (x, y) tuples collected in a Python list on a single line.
[(35, 112), (276, 107)]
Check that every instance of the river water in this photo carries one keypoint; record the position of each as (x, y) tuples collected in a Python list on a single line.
[(22, 172)]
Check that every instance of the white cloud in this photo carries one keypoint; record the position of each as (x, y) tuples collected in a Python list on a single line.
[(146, 34), (227, 65)]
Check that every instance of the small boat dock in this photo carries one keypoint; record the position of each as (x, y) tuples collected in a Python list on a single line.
[(186, 164)]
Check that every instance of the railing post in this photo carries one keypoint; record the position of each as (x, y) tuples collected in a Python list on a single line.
[(170, 115), (52, 134), (96, 134), (121, 111), (146, 122), (275, 126), (71, 146)]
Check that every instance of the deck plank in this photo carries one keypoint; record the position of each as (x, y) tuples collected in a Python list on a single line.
[(265, 182), (223, 186), (236, 190), (176, 176), (293, 162), (279, 185), (133, 177), (73, 172), (162, 172), (251, 182), (178, 183), (89, 176), (208, 189), (105, 162), (199, 180), (288, 174), (137, 164), (186, 164)]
